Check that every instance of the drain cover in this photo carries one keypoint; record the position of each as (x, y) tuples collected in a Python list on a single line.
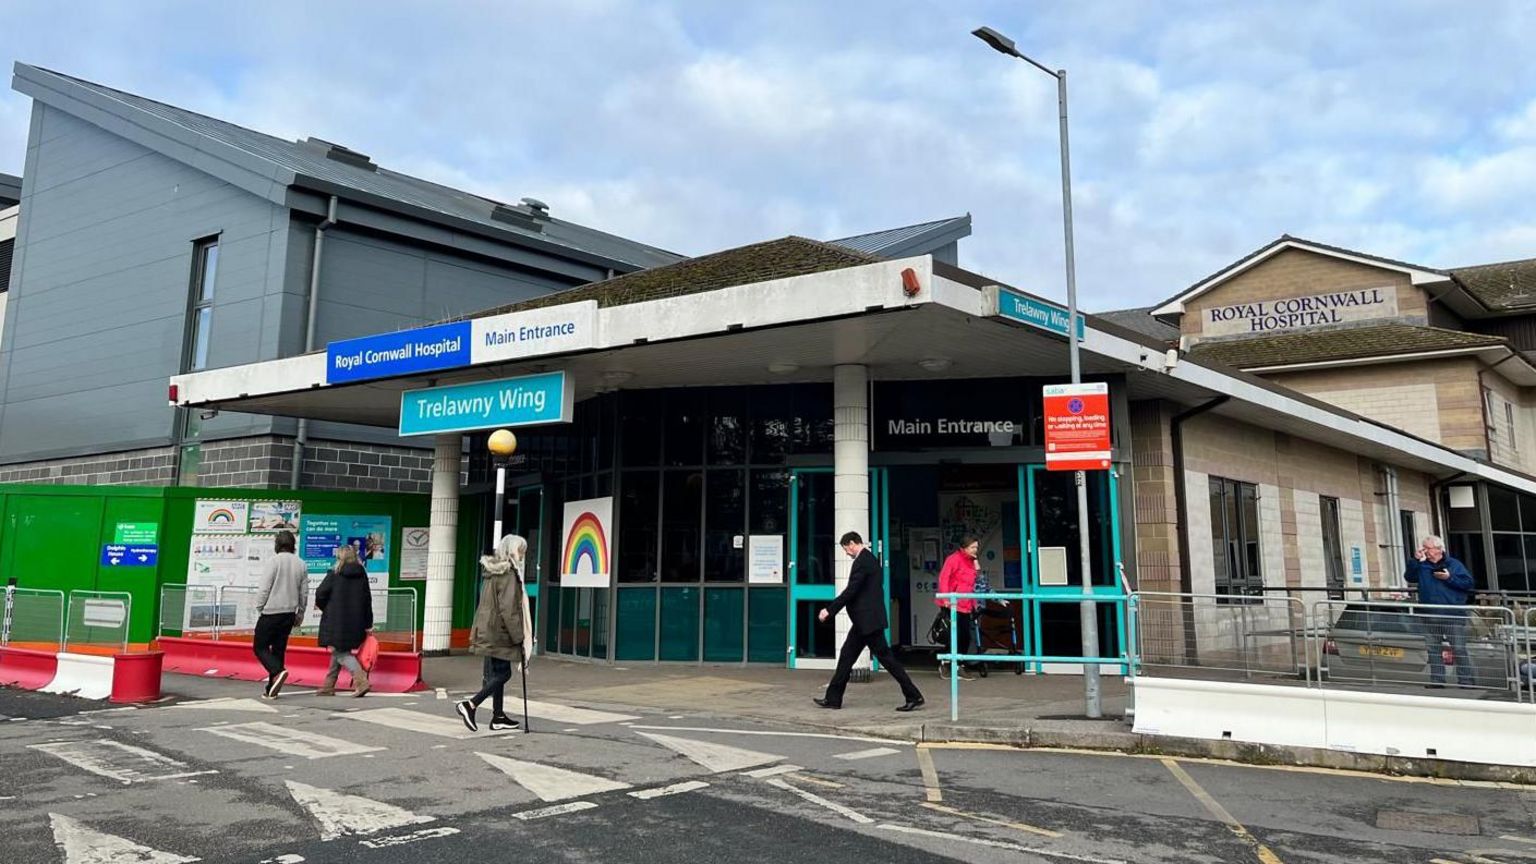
[(1429, 823)]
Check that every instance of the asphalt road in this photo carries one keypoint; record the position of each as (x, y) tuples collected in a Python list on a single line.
[(229, 778)]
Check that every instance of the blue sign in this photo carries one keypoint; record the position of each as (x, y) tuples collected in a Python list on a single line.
[(1356, 564), (116, 555), (441, 346), (525, 401), (1035, 313)]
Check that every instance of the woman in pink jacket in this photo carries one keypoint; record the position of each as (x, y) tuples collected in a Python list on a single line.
[(959, 576)]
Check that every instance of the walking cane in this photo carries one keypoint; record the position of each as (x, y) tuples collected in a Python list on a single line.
[(523, 668)]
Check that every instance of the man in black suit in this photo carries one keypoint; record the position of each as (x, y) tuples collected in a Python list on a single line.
[(864, 598)]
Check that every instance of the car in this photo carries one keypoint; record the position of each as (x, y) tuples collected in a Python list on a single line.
[(1386, 643)]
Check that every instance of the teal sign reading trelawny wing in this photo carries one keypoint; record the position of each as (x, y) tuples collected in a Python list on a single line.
[(1035, 313), (529, 400)]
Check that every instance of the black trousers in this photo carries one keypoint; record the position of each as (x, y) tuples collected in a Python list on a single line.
[(875, 642), (493, 680), (271, 641)]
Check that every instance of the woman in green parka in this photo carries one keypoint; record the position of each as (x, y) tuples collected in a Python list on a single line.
[(503, 629)]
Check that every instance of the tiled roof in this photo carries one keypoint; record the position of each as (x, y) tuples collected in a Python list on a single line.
[(1141, 321), (1351, 343), (744, 265), (1501, 287)]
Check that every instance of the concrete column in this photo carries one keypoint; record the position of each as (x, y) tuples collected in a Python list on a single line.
[(850, 470), (443, 530)]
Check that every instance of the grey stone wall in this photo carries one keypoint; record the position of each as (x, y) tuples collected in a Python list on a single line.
[(149, 467)]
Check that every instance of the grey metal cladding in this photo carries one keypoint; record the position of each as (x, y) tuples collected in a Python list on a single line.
[(920, 239), (97, 317), (10, 190), (271, 164)]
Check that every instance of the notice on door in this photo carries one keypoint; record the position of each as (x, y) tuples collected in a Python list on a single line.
[(1077, 427), (765, 556)]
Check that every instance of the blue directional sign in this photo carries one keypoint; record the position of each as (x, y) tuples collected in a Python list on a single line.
[(118, 555), (441, 346), (1035, 313), (525, 401)]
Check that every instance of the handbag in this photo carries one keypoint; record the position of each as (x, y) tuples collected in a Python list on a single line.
[(368, 652), (938, 631)]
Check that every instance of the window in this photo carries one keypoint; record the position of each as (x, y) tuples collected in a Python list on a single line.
[(205, 269), (1235, 537), (1333, 547), (1410, 538), (1509, 423)]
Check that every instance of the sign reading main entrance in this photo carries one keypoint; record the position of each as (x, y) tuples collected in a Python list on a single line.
[(1077, 427)]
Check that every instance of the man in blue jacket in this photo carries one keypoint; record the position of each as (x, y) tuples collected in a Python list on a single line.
[(1443, 581)]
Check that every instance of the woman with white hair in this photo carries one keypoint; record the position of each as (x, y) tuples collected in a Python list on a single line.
[(502, 632)]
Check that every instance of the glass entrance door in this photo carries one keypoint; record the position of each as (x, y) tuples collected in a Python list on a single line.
[(813, 559), (1054, 561)]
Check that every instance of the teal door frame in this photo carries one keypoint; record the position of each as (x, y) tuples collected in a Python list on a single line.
[(1109, 503), (878, 540)]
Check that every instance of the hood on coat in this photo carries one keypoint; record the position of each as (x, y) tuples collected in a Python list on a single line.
[(509, 555)]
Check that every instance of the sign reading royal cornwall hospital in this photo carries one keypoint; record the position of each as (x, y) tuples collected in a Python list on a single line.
[(492, 339), (1289, 313), (529, 400)]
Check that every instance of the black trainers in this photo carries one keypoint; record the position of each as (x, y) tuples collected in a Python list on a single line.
[(502, 721), (466, 712), (276, 686)]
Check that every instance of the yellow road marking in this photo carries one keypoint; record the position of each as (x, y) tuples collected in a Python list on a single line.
[(1018, 826), (1220, 812), (930, 775)]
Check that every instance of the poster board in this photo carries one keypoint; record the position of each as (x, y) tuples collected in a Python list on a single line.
[(765, 559), (587, 549), (413, 554)]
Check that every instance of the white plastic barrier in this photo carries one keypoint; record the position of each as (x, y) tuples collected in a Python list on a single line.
[(1464, 730), (85, 675)]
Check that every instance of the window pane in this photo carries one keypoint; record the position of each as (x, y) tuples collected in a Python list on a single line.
[(769, 502), (1503, 509), (1219, 538), (1235, 535), (682, 504), (685, 428), (770, 424), (1509, 561), (202, 322), (210, 270), (640, 428), (725, 535), (1410, 542), (1250, 499), (638, 508), (727, 428)]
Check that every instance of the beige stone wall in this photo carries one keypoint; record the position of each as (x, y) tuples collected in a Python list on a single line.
[(1157, 538), (1511, 444), (1297, 273), (1438, 400)]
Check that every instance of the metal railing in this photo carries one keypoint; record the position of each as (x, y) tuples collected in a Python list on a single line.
[(1417, 645), (228, 612), (954, 656), (33, 618), (1217, 635), (98, 621)]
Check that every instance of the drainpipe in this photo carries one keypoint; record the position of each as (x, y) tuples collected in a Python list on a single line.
[(1181, 509), (301, 440)]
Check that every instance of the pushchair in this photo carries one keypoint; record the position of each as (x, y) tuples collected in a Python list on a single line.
[(995, 630)]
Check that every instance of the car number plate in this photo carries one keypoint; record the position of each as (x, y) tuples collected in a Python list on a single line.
[(1381, 651)]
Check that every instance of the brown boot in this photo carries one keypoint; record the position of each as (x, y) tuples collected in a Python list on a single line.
[(360, 683), (328, 687)]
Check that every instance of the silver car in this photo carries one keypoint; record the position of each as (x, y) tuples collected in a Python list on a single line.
[(1378, 643)]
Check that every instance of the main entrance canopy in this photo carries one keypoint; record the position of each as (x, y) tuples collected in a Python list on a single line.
[(791, 311)]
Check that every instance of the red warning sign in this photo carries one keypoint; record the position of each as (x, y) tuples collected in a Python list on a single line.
[(1077, 427)]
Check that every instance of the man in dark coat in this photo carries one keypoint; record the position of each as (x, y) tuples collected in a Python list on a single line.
[(864, 598)]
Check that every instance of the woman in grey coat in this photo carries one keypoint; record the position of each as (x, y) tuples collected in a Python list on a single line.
[(502, 632)]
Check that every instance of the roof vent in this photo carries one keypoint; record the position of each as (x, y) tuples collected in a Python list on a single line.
[(517, 217), (344, 155), (539, 208)]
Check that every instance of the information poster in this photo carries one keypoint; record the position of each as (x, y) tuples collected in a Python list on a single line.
[(273, 516), (413, 554), (221, 517), (765, 557), (369, 535)]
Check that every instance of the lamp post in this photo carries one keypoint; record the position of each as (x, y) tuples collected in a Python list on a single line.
[(502, 445), (1088, 609)]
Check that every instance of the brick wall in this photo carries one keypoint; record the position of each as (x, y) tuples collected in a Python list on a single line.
[(1157, 529), (1297, 273), (264, 462)]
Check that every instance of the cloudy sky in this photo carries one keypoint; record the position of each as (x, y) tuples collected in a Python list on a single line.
[(1199, 130)]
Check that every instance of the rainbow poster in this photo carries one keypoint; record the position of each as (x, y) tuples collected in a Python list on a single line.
[(221, 517), (586, 551)]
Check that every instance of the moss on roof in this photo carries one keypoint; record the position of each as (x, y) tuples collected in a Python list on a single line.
[(1352, 343), (1503, 286), (744, 265)]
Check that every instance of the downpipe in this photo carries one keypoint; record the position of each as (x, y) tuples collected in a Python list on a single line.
[(301, 439)]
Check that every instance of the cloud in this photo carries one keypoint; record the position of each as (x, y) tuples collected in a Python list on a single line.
[(1196, 136)]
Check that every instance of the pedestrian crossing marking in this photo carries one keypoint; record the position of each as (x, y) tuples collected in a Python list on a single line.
[(294, 742), (253, 706), (574, 716), (867, 754), (124, 763), (550, 783), (772, 771), (556, 810), (714, 757), (340, 815), (442, 725), (674, 789), (83, 845)]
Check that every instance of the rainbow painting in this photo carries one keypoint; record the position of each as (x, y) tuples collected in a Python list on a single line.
[(221, 516), (586, 556)]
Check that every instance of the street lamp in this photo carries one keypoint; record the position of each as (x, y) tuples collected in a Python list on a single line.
[(502, 445), (1088, 609)]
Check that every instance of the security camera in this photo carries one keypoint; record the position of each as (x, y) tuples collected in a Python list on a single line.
[(208, 415)]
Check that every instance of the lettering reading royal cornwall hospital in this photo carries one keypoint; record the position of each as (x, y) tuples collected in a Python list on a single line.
[(1291, 312)]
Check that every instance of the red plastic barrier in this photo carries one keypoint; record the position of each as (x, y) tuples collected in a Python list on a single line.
[(136, 677), (395, 672), (28, 669)]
